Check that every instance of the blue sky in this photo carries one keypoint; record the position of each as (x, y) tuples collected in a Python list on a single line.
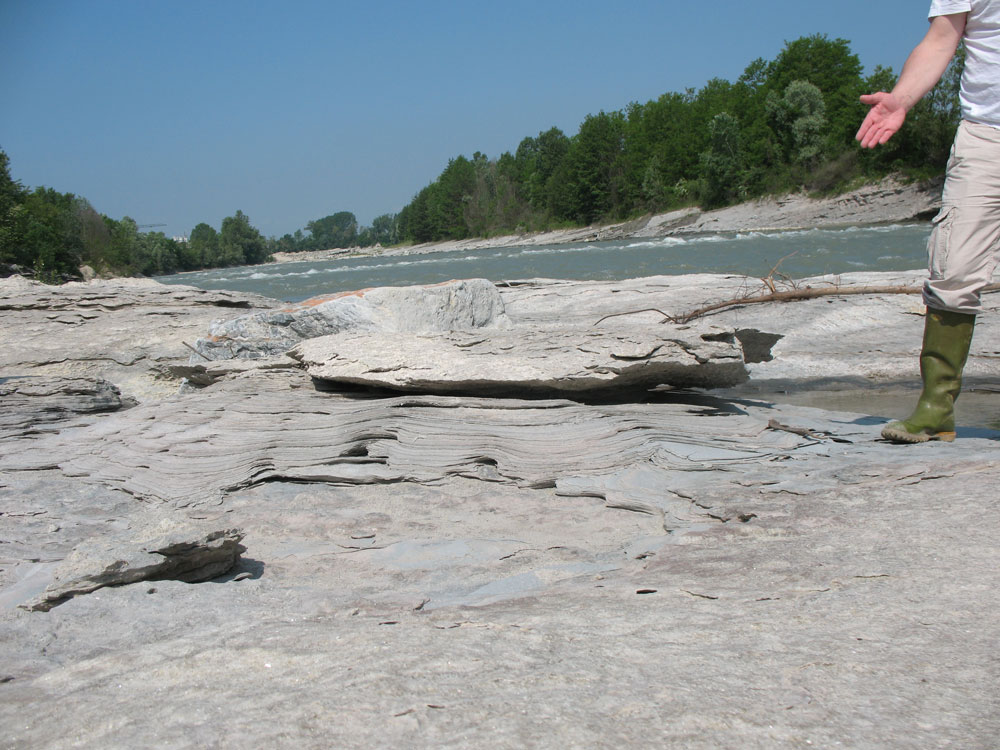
[(180, 112)]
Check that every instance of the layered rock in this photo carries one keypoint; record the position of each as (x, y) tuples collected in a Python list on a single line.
[(30, 404), (127, 331), (528, 361), (271, 426)]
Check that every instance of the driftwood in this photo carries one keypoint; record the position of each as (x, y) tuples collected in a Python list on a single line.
[(783, 296)]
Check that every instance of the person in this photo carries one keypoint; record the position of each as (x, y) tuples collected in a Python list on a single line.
[(965, 242)]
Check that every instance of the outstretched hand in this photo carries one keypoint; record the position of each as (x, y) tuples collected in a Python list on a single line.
[(885, 117)]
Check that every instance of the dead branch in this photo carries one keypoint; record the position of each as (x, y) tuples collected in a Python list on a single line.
[(807, 293), (769, 279), (784, 296), (795, 294), (195, 351), (634, 312)]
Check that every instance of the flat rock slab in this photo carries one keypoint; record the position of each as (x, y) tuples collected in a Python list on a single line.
[(527, 361)]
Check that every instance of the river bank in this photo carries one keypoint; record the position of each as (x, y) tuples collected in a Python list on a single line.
[(887, 201)]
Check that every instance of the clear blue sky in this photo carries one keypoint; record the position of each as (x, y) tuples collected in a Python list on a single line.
[(180, 112)]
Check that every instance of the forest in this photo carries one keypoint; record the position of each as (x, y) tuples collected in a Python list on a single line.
[(783, 125)]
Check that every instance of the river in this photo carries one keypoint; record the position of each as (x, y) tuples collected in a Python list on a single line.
[(812, 252)]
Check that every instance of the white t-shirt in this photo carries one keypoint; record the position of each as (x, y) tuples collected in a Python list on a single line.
[(981, 80)]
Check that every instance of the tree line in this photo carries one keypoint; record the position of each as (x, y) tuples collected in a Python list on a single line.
[(51, 235), (784, 124), (340, 230)]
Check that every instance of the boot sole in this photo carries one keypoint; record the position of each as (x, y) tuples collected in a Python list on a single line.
[(902, 436)]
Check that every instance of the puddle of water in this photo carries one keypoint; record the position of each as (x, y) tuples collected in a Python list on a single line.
[(973, 408)]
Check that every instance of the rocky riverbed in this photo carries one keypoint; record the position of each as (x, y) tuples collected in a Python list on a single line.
[(537, 514)]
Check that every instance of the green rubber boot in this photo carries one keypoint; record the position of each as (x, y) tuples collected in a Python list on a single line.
[(947, 338)]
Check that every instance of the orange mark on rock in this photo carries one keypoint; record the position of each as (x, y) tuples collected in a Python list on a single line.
[(320, 299)]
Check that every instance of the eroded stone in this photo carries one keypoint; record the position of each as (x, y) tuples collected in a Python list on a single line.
[(176, 556)]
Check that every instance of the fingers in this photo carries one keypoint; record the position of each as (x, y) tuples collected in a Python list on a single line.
[(875, 134), (874, 137), (873, 99), (869, 133), (865, 132)]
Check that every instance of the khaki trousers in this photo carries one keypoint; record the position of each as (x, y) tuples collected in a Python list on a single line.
[(964, 246)]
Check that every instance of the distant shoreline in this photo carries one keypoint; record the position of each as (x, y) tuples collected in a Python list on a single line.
[(888, 201)]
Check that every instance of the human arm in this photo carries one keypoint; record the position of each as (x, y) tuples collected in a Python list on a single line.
[(922, 70)]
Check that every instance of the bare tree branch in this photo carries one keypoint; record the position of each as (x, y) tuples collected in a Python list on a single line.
[(783, 296)]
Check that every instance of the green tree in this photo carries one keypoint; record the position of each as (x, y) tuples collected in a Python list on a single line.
[(800, 120), (653, 189), (385, 229), (153, 254), (239, 242), (337, 230), (535, 161), (123, 246), (204, 245), (829, 65), (597, 167), (722, 164), (49, 233), (11, 197), (286, 244), (448, 197), (414, 221), (95, 239), (659, 149), (494, 205)]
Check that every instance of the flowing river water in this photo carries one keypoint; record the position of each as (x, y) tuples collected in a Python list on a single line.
[(812, 252)]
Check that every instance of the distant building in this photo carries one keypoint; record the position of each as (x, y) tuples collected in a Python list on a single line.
[(180, 239)]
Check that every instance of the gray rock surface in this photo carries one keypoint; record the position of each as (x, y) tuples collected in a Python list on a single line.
[(271, 426), (868, 338), (457, 338), (884, 202), (674, 570), (127, 331), (456, 305)]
